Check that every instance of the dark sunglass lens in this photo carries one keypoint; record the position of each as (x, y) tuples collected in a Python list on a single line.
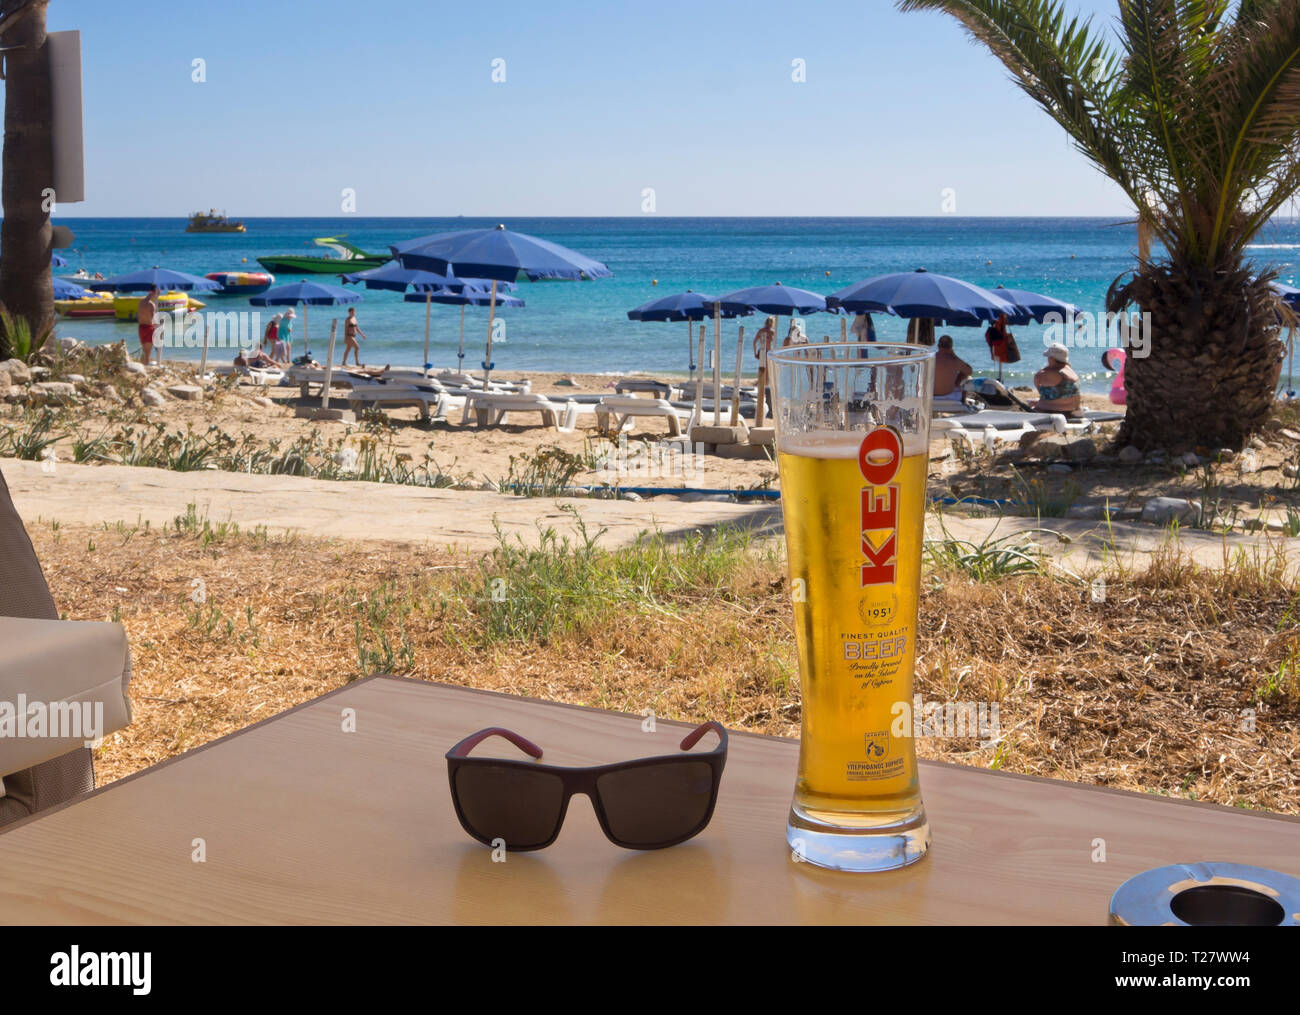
[(520, 807), (651, 805)]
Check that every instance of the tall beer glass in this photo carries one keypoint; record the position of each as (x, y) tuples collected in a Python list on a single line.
[(852, 431)]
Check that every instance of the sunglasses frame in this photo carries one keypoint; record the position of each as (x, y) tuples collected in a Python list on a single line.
[(583, 780)]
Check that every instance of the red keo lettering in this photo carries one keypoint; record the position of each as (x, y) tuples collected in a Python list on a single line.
[(879, 459)]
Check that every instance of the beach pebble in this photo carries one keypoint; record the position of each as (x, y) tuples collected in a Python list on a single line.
[(133, 367), (1168, 509), (1191, 459), (263, 401), (12, 392), (629, 495), (153, 399), (69, 345), (1130, 455), (1290, 435), (109, 393), (18, 371), (186, 392), (1290, 471), (53, 393), (1249, 461), (39, 373)]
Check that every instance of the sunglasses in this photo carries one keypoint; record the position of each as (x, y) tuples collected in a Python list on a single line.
[(647, 803)]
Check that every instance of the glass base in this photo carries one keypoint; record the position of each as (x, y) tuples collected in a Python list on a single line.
[(902, 840)]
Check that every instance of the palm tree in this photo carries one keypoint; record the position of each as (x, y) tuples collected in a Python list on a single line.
[(1193, 108), (26, 290)]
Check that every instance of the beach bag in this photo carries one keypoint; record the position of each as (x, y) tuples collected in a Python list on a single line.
[(1012, 350)]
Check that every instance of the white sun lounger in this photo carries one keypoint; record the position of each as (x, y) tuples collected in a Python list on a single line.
[(622, 410), (397, 397), (489, 408), (459, 380)]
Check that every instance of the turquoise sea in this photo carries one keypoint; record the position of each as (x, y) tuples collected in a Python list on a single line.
[(583, 326)]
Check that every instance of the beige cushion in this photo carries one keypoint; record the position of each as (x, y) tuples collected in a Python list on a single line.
[(62, 686)]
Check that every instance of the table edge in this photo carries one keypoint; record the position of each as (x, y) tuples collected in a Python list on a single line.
[(742, 734)]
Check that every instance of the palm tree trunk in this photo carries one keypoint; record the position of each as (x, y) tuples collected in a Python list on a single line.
[(1211, 375), (25, 285)]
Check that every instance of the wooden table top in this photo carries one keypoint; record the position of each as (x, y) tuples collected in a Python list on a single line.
[(304, 823)]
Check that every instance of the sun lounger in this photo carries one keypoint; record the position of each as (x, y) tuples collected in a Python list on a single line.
[(622, 410), (649, 386), (748, 393), (459, 380), (489, 408), (398, 396)]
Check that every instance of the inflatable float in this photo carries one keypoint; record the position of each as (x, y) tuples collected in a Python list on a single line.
[(241, 283)]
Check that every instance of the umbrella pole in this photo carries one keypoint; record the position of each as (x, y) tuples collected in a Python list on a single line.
[(306, 334), (428, 313), (844, 330), (460, 352), (492, 316), (699, 380), (717, 364), (735, 389), (690, 350)]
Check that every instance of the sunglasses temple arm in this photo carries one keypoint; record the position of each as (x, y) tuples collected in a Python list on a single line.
[(697, 734), (463, 748)]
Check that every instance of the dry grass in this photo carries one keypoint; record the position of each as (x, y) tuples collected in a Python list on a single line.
[(1146, 690)]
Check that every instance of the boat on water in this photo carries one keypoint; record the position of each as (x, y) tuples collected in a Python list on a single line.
[(212, 222), (241, 283), (345, 257)]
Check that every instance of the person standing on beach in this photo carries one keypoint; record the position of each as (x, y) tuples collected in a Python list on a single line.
[(146, 314), (351, 329), (286, 327)]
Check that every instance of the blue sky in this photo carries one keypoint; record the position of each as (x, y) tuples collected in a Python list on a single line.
[(395, 100)]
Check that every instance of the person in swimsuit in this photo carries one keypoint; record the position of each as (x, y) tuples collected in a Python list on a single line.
[(1057, 383), (351, 329), (146, 326)]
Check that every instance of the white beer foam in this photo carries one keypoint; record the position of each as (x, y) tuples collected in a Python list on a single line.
[(840, 444)]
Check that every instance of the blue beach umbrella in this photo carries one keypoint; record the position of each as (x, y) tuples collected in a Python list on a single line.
[(56, 261), (65, 290), (305, 294), (163, 279), (778, 300), (689, 307), (923, 294), (1034, 307), (501, 256), (467, 297)]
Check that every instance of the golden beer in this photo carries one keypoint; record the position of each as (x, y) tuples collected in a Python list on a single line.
[(853, 496)]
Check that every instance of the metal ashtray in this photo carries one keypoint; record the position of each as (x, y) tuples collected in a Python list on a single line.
[(1207, 895)]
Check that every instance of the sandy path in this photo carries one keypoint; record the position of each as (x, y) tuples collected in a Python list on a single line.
[(82, 494)]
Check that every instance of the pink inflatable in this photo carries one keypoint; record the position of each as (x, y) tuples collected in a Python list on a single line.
[(1115, 359)]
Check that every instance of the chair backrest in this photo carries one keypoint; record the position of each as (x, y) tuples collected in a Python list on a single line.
[(24, 593)]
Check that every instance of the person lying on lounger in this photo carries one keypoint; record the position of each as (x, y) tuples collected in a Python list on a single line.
[(1057, 383), (258, 361)]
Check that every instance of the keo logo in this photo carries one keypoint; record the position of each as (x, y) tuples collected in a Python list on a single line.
[(879, 459)]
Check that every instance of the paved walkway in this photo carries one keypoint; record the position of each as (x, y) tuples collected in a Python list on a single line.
[(371, 511)]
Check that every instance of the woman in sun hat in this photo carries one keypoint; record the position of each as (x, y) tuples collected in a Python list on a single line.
[(1057, 383), (286, 331)]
